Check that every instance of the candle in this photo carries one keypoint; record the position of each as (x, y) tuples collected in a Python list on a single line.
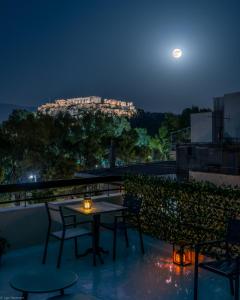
[(87, 203)]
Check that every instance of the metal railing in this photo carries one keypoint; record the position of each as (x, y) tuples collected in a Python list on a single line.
[(54, 184)]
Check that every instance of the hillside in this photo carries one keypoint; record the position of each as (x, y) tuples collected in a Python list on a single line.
[(6, 109)]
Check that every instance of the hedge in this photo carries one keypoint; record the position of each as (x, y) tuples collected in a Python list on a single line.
[(183, 211)]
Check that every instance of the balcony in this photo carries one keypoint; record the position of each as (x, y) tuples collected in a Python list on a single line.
[(131, 276)]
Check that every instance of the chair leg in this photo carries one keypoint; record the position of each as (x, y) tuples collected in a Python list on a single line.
[(60, 253), (75, 239), (236, 294), (45, 249), (94, 250), (126, 237), (140, 236), (114, 243), (76, 246), (196, 276), (231, 286)]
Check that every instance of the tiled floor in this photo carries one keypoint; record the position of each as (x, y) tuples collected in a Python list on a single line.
[(131, 277)]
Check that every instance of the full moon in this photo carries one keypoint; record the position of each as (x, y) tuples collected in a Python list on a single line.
[(177, 53)]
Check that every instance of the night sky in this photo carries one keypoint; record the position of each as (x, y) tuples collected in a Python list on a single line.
[(119, 49)]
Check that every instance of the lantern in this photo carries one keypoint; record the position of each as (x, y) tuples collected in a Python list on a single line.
[(87, 203), (182, 255)]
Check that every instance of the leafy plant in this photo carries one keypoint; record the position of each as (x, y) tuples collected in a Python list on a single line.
[(190, 211)]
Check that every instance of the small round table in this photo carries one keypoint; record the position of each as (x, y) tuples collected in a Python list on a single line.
[(43, 281), (74, 297)]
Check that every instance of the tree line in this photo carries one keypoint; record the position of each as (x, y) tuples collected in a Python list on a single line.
[(57, 147)]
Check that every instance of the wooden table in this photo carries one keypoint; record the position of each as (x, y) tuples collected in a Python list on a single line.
[(43, 281), (97, 209)]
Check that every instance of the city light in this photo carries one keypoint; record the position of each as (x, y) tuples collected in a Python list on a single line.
[(33, 177), (92, 103)]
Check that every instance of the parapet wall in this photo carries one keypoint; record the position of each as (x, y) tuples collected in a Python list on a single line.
[(26, 226)]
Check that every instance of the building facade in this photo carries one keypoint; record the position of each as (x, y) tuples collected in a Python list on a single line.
[(75, 106), (214, 151), (219, 126)]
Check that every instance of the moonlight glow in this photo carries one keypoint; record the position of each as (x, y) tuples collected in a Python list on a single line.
[(177, 53)]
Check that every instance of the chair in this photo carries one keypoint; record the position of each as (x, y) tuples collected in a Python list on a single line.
[(121, 222), (227, 267), (69, 229)]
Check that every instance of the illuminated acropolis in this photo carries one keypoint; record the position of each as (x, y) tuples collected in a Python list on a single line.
[(75, 106)]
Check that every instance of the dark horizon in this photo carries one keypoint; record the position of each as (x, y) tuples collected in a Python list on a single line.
[(61, 49)]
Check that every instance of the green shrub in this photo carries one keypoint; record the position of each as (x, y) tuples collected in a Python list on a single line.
[(190, 211)]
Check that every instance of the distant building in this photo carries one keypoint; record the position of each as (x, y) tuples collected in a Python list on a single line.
[(201, 127), (157, 168), (75, 106), (220, 125), (214, 152)]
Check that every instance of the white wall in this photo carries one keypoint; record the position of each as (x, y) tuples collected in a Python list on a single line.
[(216, 178), (25, 226), (201, 127)]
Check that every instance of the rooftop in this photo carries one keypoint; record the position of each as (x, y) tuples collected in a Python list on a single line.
[(165, 214), (150, 168), (133, 276)]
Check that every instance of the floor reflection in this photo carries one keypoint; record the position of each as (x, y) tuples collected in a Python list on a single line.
[(132, 277)]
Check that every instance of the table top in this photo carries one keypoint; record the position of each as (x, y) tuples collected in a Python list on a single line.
[(43, 281), (97, 208)]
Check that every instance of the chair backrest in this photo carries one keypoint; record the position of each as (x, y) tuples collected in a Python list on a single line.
[(54, 213), (233, 231), (133, 203)]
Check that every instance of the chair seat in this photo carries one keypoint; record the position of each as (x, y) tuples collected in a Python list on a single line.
[(225, 267), (71, 233)]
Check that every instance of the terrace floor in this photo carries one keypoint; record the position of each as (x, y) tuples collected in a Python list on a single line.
[(132, 276)]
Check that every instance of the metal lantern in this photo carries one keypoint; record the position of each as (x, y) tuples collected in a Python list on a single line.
[(87, 203), (182, 255)]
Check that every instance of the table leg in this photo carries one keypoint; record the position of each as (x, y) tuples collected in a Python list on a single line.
[(96, 233), (85, 253), (96, 249), (24, 295), (96, 229), (62, 292), (103, 250)]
